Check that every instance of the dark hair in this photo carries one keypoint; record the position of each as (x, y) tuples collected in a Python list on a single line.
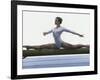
[(59, 19)]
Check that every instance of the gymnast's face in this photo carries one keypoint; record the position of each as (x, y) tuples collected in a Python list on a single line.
[(57, 22)]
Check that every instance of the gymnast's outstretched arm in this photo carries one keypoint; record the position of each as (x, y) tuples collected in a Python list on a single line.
[(66, 30)]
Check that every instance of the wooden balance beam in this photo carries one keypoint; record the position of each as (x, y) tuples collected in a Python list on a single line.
[(30, 51)]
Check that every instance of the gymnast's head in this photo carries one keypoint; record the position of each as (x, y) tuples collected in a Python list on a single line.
[(58, 21)]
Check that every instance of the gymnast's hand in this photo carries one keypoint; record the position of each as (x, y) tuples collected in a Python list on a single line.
[(81, 35), (44, 33)]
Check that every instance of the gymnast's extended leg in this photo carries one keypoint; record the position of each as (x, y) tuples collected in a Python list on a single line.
[(66, 45)]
